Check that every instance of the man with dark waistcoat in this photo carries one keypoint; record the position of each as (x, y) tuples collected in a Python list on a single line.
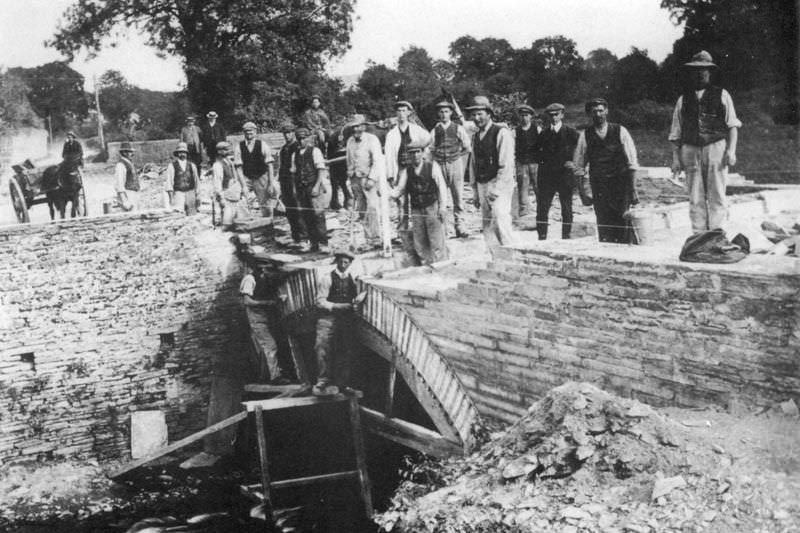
[(451, 145), (126, 179), (286, 179), (610, 154), (313, 193), (492, 174), (212, 133), (526, 154), (253, 158), (191, 135), (337, 301), (704, 134), (229, 185), (425, 188), (556, 147), (181, 181)]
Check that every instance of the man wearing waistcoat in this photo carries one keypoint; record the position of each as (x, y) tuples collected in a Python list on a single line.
[(253, 158), (181, 181), (526, 152), (313, 193), (126, 179), (212, 133), (286, 179), (610, 154), (337, 301), (451, 143), (229, 185), (492, 174), (556, 148), (704, 134), (425, 187), (191, 135)]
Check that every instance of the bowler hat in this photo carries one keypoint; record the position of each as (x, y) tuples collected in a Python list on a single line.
[(212, 114), (480, 103), (701, 59), (182, 147), (301, 133), (358, 120), (249, 126), (595, 101), (405, 103), (286, 127), (126, 146), (552, 108), (446, 103), (525, 108)]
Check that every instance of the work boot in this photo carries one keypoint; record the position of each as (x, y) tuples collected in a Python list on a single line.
[(322, 388)]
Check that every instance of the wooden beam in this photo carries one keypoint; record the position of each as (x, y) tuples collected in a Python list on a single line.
[(266, 388), (410, 435), (263, 463), (133, 465), (296, 351), (286, 403), (361, 456)]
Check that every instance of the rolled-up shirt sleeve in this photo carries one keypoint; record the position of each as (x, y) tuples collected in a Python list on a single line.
[(628, 147), (120, 173), (505, 159), (731, 120), (579, 156), (323, 288), (675, 130), (441, 185)]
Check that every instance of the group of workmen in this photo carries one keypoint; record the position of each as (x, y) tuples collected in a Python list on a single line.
[(422, 169)]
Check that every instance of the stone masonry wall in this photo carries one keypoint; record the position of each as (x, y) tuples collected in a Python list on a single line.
[(84, 305), (667, 333)]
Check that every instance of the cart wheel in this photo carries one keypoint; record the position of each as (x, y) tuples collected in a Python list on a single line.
[(18, 201), (83, 209)]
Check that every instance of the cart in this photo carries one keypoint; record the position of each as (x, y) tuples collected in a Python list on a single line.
[(27, 188)]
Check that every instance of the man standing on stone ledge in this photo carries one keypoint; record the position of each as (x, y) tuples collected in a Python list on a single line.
[(610, 154), (126, 179), (212, 133), (451, 143), (704, 134), (191, 134), (286, 179), (557, 145), (253, 158), (313, 193), (366, 170), (492, 174), (229, 185), (338, 300), (526, 151), (181, 181)]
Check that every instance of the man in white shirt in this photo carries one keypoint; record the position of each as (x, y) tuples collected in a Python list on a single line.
[(337, 300), (313, 190), (704, 135), (608, 151), (451, 145), (181, 181), (423, 183), (253, 158), (126, 179), (229, 185), (366, 170)]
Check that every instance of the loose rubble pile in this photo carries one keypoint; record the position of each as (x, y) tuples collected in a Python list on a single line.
[(785, 241), (585, 460)]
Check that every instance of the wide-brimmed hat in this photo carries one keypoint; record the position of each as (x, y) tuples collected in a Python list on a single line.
[(316, 96), (343, 252), (249, 126), (223, 144), (181, 148), (302, 133), (358, 120), (126, 146), (212, 114), (415, 146), (701, 59), (525, 108), (446, 103), (71, 133), (191, 117), (480, 103), (595, 101), (553, 108), (405, 103), (287, 127)]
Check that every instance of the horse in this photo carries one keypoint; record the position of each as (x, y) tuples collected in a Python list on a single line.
[(62, 184)]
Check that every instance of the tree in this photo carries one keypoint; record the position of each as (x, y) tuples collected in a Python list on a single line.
[(226, 47), (598, 70), (550, 69), (635, 78), (55, 91), (15, 109), (478, 60)]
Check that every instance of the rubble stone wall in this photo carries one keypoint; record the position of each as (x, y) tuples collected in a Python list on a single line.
[(104, 316), (161, 151), (664, 333)]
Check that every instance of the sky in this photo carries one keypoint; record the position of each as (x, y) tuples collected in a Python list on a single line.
[(381, 31)]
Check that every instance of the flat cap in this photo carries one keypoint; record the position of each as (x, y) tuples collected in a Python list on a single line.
[(343, 252), (249, 126), (358, 120), (302, 132), (404, 103), (479, 103), (287, 126), (525, 108), (596, 101), (181, 148), (553, 108), (446, 103)]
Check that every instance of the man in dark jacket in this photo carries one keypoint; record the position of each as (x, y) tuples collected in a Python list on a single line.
[(212, 133), (526, 153), (286, 181), (72, 153), (557, 145)]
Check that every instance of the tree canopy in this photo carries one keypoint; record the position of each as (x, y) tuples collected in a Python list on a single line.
[(55, 90)]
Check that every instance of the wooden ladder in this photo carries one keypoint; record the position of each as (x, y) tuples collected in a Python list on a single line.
[(264, 491)]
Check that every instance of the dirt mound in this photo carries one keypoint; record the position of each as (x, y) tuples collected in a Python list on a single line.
[(585, 460)]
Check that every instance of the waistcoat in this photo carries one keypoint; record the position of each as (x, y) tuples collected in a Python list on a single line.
[(526, 145), (253, 165), (421, 187), (703, 122), (343, 289), (306, 171), (486, 155), (446, 146), (131, 179), (184, 179)]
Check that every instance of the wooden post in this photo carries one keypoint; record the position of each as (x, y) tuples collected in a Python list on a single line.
[(264, 464), (388, 406), (361, 455), (99, 115)]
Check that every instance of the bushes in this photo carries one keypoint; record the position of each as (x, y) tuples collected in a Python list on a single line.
[(646, 114)]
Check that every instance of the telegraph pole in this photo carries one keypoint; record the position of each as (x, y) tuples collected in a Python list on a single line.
[(99, 114)]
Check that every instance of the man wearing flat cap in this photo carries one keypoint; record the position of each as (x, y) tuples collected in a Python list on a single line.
[(704, 134), (287, 185), (608, 151), (181, 181), (312, 188), (212, 132), (424, 185), (229, 185), (367, 172), (253, 158), (338, 300), (126, 179), (556, 146), (526, 152), (451, 145), (191, 135), (492, 174), (317, 121)]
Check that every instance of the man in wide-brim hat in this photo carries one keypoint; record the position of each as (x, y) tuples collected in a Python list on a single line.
[(704, 136), (451, 145), (181, 181), (366, 170), (126, 179)]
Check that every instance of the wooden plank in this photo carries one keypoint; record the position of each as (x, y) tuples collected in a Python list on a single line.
[(322, 478), (133, 465), (266, 388), (361, 456), (263, 463), (410, 435), (388, 401), (286, 403), (298, 357)]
